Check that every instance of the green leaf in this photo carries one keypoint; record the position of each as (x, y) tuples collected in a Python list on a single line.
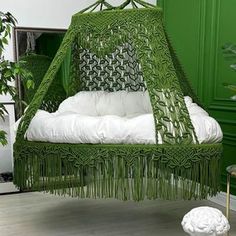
[(233, 98), (8, 74), (30, 84), (3, 109), (4, 40), (232, 87), (16, 71), (3, 138), (233, 66)]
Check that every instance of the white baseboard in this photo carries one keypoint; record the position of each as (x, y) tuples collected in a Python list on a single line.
[(7, 187), (221, 200)]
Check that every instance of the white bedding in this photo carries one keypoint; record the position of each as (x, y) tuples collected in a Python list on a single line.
[(118, 117)]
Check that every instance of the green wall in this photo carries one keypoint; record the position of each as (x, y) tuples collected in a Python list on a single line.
[(198, 29)]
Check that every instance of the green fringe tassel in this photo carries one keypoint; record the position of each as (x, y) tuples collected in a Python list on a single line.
[(125, 172)]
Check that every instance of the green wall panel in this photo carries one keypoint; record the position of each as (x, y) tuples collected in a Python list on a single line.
[(198, 29), (184, 34)]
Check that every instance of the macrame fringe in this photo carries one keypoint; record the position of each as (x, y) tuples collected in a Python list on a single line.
[(118, 176)]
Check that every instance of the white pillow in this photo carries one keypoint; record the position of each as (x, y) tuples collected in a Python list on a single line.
[(111, 103), (101, 103), (137, 103), (83, 103), (193, 108)]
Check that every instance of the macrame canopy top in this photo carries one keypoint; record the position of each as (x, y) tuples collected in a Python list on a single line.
[(104, 5)]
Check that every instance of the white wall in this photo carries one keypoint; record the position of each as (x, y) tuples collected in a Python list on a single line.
[(6, 151)]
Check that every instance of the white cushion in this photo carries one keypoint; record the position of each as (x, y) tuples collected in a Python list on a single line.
[(111, 103), (83, 103), (100, 103), (119, 117)]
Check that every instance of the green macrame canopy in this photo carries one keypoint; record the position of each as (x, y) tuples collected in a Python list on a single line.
[(120, 49)]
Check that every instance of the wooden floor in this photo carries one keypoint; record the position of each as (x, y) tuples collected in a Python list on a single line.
[(38, 214)]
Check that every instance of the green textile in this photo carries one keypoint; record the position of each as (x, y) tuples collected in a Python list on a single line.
[(38, 66), (119, 70), (112, 50), (118, 171), (48, 44), (64, 72), (144, 28)]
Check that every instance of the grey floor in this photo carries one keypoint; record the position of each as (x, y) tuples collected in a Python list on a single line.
[(38, 214)]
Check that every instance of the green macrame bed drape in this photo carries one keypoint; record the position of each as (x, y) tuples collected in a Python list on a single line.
[(121, 49)]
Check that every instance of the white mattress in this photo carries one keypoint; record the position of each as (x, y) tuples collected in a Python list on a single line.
[(118, 117)]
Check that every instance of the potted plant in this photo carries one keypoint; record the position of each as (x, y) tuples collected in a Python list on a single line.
[(9, 70), (229, 51)]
